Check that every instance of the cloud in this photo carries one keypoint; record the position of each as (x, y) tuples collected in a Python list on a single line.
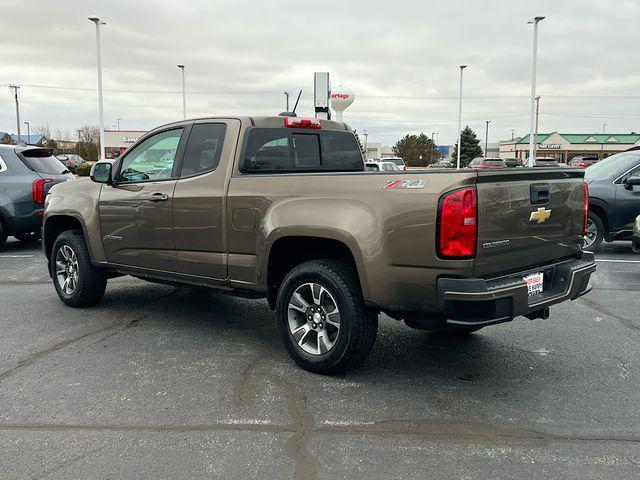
[(401, 58)]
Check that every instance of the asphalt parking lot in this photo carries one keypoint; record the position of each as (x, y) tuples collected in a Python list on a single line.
[(164, 382)]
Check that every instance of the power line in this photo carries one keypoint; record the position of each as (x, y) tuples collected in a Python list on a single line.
[(269, 92)]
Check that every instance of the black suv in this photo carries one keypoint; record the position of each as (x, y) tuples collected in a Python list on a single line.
[(26, 175), (614, 198)]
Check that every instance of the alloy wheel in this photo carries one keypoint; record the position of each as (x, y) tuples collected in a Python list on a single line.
[(67, 273), (590, 235), (314, 318)]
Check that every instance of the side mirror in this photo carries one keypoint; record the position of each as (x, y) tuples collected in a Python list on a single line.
[(101, 172), (631, 182)]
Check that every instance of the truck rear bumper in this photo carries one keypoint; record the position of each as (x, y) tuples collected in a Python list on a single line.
[(480, 301)]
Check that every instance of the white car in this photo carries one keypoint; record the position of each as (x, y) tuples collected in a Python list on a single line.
[(397, 160), (381, 167)]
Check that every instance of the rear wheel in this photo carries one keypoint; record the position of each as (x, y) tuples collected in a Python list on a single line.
[(78, 283), (322, 318), (594, 234)]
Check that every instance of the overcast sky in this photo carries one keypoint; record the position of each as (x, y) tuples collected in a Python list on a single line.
[(401, 59)]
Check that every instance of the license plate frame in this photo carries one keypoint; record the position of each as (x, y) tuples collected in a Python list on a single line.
[(535, 283)]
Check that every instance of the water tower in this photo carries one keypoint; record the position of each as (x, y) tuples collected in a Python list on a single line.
[(341, 98)]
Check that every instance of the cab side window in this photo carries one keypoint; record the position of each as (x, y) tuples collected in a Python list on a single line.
[(203, 149), (151, 160)]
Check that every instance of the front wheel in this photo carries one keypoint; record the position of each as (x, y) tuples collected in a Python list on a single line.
[(77, 281), (594, 234), (322, 318)]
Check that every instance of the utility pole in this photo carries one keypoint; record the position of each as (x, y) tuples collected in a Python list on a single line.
[(14, 89), (28, 132), (486, 138), (184, 94), (118, 122), (534, 64), (462, 67), (604, 127), (513, 131), (286, 94), (535, 131)]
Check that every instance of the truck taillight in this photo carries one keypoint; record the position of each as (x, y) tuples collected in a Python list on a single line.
[(458, 224), (295, 122), (585, 205), (38, 189)]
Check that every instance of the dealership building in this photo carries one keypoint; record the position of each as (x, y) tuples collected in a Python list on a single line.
[(117, 141), (565, 146)]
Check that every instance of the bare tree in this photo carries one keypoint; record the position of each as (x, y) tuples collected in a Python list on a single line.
[(41, 130), (89, 134)]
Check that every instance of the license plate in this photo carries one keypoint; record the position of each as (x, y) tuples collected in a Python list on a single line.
[(535, 283)]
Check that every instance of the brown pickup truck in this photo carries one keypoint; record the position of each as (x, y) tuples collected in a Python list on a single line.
[(281, 207)]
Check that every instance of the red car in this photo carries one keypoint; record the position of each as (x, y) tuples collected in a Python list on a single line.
[(582, 161), (485, 163)]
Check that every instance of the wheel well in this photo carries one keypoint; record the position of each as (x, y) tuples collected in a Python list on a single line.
[(54, 227), (602, 214), (288, 252)]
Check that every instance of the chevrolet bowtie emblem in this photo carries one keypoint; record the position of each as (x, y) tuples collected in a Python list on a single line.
[(540, 216)]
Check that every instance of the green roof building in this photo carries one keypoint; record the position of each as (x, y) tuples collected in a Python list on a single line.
[(565, 146)]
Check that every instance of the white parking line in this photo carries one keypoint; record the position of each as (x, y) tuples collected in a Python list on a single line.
[(612, 260), (16, 256)]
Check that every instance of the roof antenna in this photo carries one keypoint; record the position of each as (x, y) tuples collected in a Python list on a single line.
[(292, 113)]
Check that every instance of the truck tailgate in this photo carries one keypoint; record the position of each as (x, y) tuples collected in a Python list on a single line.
[(527, 217)]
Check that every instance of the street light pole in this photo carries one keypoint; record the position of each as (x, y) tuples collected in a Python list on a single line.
[(433, 147), (535, 131), (604, 127), (28, 132), (184, 94), (462, 67), (118, 122), (532, 139), (99, 22), (486, 138), (366, 135)]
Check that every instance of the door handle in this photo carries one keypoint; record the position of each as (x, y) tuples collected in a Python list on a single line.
[(158, 197)]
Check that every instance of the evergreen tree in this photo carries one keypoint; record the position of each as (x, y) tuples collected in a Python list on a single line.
[(470, 147), (417, 150)]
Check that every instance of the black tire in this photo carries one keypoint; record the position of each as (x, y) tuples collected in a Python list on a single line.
[(91, 282), (3, 233), (358, 323), (599, 238), (28, 237)]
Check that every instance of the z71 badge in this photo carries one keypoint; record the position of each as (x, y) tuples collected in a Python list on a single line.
[(405, 184)]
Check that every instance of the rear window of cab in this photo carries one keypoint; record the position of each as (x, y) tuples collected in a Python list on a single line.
[(284, 150)]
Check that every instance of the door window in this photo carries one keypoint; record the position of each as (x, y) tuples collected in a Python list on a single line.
[(151, 160), (203, 149), (633, 173)]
